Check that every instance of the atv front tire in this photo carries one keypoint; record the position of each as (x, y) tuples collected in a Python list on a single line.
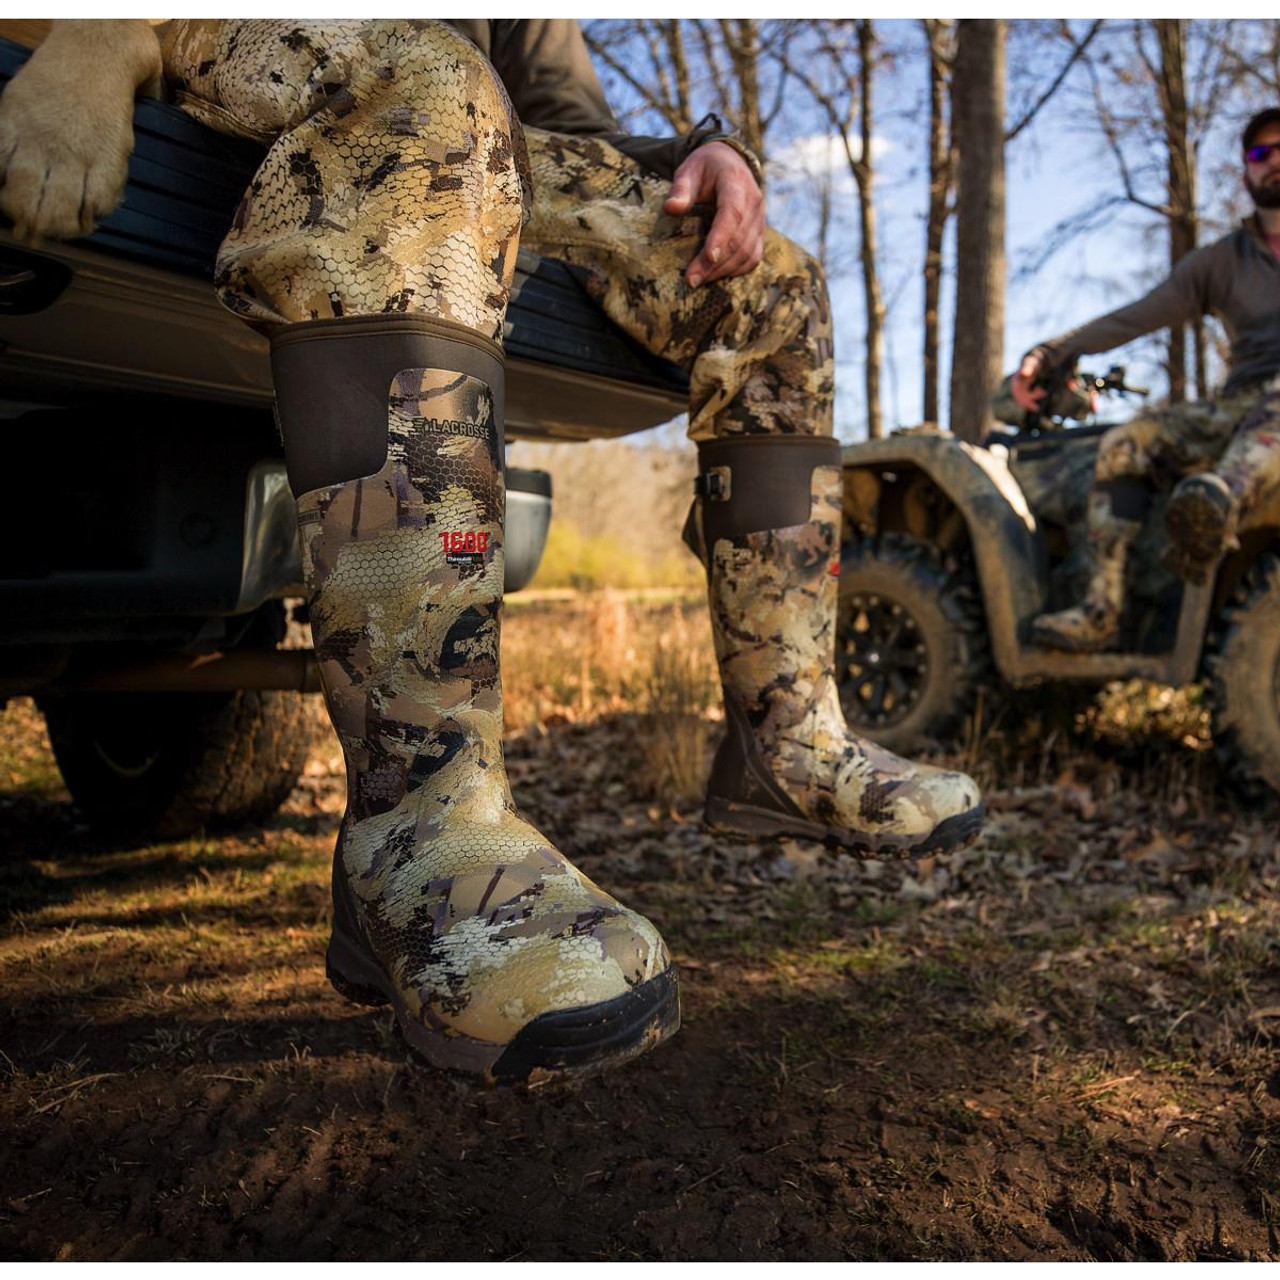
[(911, 646)]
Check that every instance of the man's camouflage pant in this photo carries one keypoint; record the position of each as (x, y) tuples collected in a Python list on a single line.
[(397, 180), (1236, 436)]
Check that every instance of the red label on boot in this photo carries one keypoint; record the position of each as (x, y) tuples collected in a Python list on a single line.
[(464, 547)]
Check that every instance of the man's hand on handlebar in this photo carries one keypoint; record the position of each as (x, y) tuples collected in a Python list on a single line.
[(1032, 397), (1029, 396)]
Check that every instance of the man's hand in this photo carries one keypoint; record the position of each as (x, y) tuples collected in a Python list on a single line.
[(1031, 397), (66, 126), (715, 173), (1028, 396)]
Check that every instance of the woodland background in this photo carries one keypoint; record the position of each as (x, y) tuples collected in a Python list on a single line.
[(971, 187)]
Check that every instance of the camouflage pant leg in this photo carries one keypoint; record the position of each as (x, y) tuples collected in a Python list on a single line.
[(757, 348), (1166, 444), (393, 182), (1155, 450), (1251, 464)]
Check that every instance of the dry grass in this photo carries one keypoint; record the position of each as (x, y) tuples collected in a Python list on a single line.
[(599, 653), (681, 690)]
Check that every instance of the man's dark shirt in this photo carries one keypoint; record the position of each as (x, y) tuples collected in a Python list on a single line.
[(1236, 278)]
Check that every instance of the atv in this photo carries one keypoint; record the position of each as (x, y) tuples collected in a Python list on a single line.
[(951, 549)]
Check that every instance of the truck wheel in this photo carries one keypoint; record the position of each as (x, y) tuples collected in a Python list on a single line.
[(911, 645), (167, 764), (1244, 666)]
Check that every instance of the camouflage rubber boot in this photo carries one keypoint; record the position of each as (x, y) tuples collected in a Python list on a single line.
[(1201, 522), (1114, 519), (499, 957), (1091, 627), (766, 524)]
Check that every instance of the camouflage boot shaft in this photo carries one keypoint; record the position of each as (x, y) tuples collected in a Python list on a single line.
[(498, 955), (766, 523)]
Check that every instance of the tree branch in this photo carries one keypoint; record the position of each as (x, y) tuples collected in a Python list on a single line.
[(1076, 53)]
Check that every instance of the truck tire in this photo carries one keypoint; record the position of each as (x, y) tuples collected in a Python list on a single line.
[(911, 642), (1244, 668), (165, 765)]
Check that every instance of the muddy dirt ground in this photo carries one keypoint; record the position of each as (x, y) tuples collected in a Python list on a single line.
[(1060, 1046)]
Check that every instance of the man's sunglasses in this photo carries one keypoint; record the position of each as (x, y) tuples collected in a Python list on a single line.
[(1256, 155)]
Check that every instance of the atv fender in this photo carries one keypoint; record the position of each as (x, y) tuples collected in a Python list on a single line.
[(1007, 549)]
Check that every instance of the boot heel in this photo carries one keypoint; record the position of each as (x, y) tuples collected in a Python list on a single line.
[(730, 818), (350, 973)]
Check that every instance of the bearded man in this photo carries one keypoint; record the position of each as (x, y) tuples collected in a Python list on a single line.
[(1222, 453)]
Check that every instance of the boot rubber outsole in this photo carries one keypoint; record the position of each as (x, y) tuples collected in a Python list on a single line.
[(1044, 638), (729, 817), (1196, 521), (554, 1047)]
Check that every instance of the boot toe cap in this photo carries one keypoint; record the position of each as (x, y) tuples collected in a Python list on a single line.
[(513, 978)]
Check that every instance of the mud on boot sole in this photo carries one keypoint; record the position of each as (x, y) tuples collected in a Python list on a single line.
[(557, 1046), (1045, 637), (728, 817), (1198, 522)]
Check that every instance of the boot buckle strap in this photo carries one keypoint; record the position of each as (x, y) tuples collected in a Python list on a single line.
[(714, 485)]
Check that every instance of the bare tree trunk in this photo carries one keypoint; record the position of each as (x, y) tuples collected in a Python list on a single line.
[(742, 39), (1171, 36), (831, 79), (977, 113), (865, 174), (939, 193), (679, 70), (824, 218)]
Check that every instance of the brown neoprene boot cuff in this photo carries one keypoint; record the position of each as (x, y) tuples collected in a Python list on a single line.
[(746, 484), (332, 379)]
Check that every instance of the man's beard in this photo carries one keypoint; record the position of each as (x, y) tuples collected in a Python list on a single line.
[(1265, 195)]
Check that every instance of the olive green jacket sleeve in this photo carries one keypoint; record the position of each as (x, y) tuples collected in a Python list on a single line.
[(547, 70), (1188, 291)]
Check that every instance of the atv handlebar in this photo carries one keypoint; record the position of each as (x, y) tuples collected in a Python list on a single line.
[(1111, 383), (1070, 394)]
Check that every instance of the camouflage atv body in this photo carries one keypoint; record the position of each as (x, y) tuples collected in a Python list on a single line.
[(952, 549)]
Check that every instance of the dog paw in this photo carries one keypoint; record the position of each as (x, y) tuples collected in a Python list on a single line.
[(65, 140)]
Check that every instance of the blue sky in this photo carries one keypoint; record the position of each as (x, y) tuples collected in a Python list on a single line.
[(1058, 167)]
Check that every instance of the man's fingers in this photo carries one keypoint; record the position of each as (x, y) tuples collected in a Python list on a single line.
[(734, 241), (687, 188), (1024, 392), (747, 249), (679, 198), (752, 252), (722, 243), (732, 265)]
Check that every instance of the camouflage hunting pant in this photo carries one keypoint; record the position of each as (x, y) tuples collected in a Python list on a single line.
[(396, 182), (1237, 436), (757, 348)]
